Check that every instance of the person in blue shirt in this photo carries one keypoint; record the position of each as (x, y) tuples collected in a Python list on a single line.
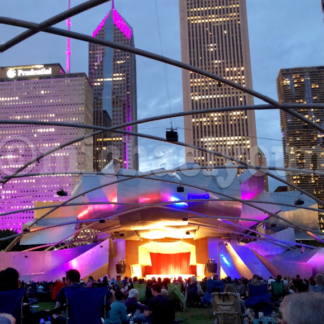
[(319, 284), (118, 311), (72, 280)]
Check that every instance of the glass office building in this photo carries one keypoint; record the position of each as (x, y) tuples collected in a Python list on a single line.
[(42, 93)]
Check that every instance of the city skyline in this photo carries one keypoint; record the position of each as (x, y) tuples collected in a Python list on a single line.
[(303, 145), (271, 49), (215, 38), (112, 74), (41, 92)]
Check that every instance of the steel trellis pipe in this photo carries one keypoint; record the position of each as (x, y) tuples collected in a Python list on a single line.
[(8, 178), (187, 185), (160, 58), (139, 204), (50, 22)]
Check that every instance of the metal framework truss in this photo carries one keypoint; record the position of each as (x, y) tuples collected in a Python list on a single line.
[(85, 232)]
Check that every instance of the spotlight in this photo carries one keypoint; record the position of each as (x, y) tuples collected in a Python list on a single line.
[(219, 84), (62, 193), (26, 230), (180, 189), (299, 202), (171, 135), (185, 219), (102, 221), (122, 234), (187, 233)]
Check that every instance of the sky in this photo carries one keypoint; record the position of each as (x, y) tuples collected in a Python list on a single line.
[(283, 34)]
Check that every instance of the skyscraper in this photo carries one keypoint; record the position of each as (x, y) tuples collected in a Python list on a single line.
[(214, 37), (302, 144), (113, 75), (44, 93)]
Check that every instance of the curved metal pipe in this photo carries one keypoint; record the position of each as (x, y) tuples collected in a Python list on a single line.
[(50, 22), (8, 178), (306, 231), (139, 204), (160, 58)]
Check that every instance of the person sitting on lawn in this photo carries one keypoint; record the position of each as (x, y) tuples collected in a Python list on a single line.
[(159, 307), (319, 287), (134, 307), (118, 311)]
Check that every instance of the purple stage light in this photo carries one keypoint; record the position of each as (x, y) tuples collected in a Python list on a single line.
[(196, 196)]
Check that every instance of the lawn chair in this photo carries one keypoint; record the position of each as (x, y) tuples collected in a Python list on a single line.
[(175, 295), (227, 308), (277, 289), (259, 299), (192, 295), (212, 287), (11, 302), (141, 288), (84, 304)]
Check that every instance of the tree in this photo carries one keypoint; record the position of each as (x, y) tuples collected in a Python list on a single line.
[(6, 233)]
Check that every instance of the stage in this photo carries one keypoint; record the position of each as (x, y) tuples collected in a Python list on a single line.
[(170, 276)]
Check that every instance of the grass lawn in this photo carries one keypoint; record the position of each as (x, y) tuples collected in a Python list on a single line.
[(46, 306), (196, 316), (189, 316)]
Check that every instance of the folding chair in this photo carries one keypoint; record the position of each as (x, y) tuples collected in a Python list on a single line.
[(192, 295), (175, 294), (141, 288), (277, 289), (227, 308), (212, 287), (84, 304), (11, 302), (260, 299)]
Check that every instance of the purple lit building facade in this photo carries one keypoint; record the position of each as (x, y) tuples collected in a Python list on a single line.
[(44, 93), (113, 76)]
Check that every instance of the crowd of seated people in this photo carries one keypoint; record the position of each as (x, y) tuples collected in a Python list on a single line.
[(155, 305)]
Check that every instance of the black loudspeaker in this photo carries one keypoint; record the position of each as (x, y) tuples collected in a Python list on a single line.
[(211, 267), (121, 267), (180, 189), (171, 136)]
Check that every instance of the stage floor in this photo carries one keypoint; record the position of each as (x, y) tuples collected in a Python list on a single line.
[(171, 276)]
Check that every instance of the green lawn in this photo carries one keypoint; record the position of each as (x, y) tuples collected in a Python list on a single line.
[(196, 316), (46, 306), (189, 316)]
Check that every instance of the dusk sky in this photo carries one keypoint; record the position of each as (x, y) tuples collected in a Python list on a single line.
[(283, 34)]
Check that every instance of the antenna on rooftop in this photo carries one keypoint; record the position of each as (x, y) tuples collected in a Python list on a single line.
[(68, 50)]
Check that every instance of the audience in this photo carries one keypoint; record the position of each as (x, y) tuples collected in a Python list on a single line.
[(134, 307), (319, 279), (118, 311), (232, 289), (303, 302), (159, 307), (90, 281), (57, 287)]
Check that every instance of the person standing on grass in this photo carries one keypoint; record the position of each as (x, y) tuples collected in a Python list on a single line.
[(159, 308)]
